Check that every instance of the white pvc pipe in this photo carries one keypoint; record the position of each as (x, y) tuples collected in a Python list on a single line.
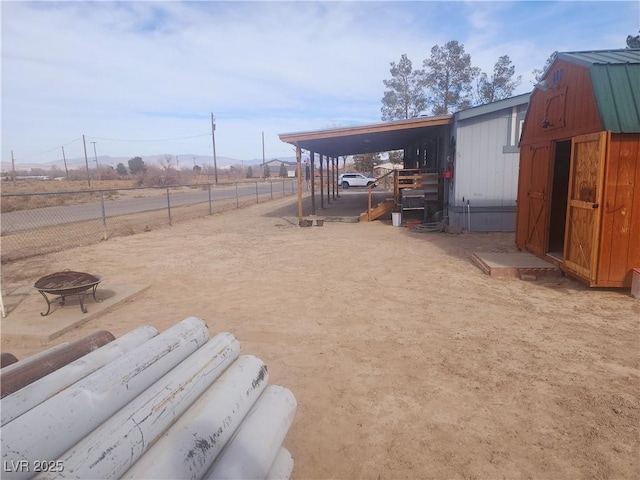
[(254, 447), (112, 448), (282, 467), (190, 446), (51, 428), (37, 392)]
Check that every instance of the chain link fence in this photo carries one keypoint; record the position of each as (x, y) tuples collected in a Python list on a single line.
[(38, 223)]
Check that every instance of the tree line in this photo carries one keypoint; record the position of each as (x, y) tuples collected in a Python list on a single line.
[(447, 83)]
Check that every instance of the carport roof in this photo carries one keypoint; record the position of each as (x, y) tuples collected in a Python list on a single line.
[(377, 137)]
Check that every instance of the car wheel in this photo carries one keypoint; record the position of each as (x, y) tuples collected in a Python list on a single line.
[(369, 184), (345, 185)]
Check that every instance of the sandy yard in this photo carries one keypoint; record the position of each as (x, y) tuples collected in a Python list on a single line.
[(406, 360)]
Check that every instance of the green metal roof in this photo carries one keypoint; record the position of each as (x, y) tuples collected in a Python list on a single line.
[(595, 57), (615, 77)]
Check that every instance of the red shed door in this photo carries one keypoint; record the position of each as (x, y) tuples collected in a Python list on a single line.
[(584, 205), (537, 198)]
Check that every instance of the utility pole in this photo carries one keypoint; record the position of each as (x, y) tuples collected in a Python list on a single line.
[(263, 159), (86, 160), (13, 169), (213, 139), (299, 162), (96, 157), (65, 163)]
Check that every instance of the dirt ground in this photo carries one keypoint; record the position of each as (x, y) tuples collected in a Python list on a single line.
[(406, 360)]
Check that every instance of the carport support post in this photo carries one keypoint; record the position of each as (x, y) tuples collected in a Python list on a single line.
[(328, 184), (321, 185), (299, 161), (333, 179), (312, 157), (338, 177)]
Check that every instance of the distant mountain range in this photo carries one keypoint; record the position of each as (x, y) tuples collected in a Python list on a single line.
[(178, 161)]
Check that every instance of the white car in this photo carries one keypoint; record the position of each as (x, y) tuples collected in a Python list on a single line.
[(356, 180)]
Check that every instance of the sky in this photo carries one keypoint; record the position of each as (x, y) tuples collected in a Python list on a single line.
[(142, 78)]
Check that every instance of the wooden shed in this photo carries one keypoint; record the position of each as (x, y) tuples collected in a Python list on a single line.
[(579, 180)]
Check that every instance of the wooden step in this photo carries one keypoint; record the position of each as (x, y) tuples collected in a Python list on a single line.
[(378, 211)]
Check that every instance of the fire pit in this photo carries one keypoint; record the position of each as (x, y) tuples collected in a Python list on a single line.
[(67, 283)]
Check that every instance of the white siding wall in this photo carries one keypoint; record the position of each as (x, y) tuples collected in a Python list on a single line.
[(484, 175)]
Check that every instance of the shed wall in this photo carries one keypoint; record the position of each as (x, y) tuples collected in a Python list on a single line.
[(620, 229), (569, 105)]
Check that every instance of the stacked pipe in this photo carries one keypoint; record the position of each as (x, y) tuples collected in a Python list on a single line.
[(7, 359), (149, 405), (20, 374)]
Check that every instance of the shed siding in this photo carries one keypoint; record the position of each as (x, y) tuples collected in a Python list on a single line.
[(484, 175), (572, 96), (621, 213)]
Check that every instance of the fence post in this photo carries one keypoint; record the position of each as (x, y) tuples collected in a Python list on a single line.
[(271, 185), (257, 198), (104, 216), (237, 201), (210, 205), (169, 205)]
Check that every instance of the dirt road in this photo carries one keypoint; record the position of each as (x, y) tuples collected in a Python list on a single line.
[(406, 360)]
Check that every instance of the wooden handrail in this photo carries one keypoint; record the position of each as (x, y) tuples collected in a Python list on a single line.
[(370, 190)]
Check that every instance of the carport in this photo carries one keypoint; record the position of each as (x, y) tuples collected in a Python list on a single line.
[(424, 141)]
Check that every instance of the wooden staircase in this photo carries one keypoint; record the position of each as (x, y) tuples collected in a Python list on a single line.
[(379, 210), (413, 189)]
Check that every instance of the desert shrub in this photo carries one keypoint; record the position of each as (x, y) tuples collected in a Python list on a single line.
[(158, 177), (136, 165), (108, 174), (122, 170), (77, 175)]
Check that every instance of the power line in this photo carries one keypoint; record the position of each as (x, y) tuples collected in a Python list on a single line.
[(48, 151), (24, 157), (156, 140)]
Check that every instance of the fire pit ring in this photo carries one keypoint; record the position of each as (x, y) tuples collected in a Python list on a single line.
[(67, 283)]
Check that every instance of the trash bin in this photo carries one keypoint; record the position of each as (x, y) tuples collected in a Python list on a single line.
[(396, 218)]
